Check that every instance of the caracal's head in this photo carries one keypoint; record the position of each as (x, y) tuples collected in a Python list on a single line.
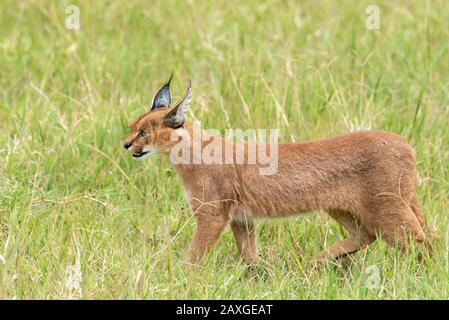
[(152, 132)]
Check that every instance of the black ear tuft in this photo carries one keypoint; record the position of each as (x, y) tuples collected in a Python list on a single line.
[(163, 96)]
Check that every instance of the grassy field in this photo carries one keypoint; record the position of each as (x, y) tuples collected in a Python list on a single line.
[(80, 219)]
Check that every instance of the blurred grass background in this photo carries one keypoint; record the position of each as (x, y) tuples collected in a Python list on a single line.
[(80, 219)]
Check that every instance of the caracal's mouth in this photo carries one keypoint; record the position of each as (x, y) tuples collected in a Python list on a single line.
[(144, 154), (140, 155)]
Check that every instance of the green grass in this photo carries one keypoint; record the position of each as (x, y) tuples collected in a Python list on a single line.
[(71, 197)]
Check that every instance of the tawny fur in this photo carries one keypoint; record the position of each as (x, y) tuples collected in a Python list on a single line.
[(365, 180)]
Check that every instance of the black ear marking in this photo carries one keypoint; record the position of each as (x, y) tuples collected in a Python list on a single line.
[(163, 96), (175, 117)]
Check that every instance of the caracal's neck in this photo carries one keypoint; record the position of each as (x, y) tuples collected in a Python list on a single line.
[(199, 152), (183, 156)]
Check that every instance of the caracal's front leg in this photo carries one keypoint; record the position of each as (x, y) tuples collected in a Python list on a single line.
[(245, 237), (209, 227)]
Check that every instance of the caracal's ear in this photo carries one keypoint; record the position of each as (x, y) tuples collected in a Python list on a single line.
[(176, 117), (163, 96)]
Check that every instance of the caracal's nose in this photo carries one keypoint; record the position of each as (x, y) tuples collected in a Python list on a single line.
[(127, 145)]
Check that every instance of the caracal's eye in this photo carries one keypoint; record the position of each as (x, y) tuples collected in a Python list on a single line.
[(141, 134)]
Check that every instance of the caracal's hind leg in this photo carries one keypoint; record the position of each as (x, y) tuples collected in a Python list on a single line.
[(245, 237), (358, 238), (403, 229), (429, 232)]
